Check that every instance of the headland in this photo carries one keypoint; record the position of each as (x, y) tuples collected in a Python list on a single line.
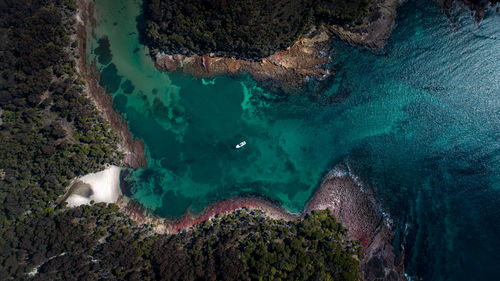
[(292, 68)]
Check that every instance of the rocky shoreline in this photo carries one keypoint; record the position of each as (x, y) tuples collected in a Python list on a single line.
[(290, 70), (133, 149), (352, 203), (355, 206), (286, 70), (375, 29), (219, 208)]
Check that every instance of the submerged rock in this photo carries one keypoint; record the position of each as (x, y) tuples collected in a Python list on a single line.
[(353, 204)]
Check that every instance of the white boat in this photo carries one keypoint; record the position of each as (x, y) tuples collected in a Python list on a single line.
[(241, 144)]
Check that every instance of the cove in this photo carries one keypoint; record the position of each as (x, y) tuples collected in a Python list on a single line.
[(420, 124), (190, 127)]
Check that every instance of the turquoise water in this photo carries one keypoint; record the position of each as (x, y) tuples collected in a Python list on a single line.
[(419, 121)]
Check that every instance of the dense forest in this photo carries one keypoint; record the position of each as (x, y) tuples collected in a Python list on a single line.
[(51, 132), (96, 242), (250, 246), (242, 28)]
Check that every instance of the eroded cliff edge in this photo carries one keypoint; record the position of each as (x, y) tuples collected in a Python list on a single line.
[(291, 69)]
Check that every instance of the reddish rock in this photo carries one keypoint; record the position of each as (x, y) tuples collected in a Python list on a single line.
[(355, 206), (288, 70), (291, 69)]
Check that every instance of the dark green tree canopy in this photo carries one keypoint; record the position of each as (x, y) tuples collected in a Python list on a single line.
[(248, 29)]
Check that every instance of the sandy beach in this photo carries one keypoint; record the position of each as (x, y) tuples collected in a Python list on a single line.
[(103, 186)]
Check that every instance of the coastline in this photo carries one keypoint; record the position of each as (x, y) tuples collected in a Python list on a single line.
[(290, 70), (352, 203), (220, 208), (375, 29), (365, 223), (286, 70), (477, 8), (134, 150)]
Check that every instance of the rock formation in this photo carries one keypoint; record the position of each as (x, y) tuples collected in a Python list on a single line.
[(355, 206), (291, 69)]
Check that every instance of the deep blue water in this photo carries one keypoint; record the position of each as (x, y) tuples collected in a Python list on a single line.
[(420, 124), (438, 168)]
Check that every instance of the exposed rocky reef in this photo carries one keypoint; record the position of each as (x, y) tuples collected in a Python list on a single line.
[(288, 69), (355, 206), (375, 29)]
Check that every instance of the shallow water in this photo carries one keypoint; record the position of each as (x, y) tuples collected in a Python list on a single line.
[(421, 125)]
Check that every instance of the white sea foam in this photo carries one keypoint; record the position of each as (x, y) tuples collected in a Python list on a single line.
[(337, 172), (355, 178)]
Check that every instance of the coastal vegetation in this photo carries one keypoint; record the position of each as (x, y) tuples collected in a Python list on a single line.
[(244, 29), (96, 242), (248, 245), (51, 132)]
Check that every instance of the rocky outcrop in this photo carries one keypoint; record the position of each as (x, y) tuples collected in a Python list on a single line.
[(293, 68), (354, 205), (287, 70)]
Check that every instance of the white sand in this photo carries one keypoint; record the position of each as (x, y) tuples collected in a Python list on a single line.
[(105, 186)]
